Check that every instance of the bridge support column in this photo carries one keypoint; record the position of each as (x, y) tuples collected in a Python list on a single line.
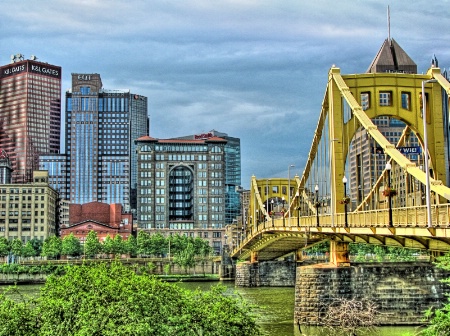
[(299, 255), (254, 256), (401, 291), (339, 253)]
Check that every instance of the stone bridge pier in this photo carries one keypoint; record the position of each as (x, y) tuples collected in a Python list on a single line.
[(401, 291)]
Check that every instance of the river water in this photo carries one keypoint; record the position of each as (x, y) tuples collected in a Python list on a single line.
[(275, 307), (276, 310)]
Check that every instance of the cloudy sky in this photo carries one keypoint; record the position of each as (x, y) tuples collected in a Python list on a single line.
[(254, 69)]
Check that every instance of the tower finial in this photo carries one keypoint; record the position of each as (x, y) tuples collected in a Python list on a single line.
[(389, 24)]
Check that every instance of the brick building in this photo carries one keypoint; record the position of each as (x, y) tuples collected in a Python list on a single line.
[(105, 219)]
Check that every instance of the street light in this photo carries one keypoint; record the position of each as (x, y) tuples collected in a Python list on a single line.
[(284, 209), (289, 188), (388, 168), (271, 210), (344, 180), (425, 149), (316, 188)]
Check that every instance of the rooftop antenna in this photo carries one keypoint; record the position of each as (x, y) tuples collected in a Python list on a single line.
[(389, 24)]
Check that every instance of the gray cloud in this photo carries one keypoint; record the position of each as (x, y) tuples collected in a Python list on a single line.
[(254, 69)]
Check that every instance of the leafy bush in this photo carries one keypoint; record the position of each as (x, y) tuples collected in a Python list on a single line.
[(112, 300)]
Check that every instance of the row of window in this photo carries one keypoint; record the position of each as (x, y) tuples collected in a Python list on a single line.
[(385, 98)]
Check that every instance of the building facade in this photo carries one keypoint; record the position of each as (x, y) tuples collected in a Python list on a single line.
[(30, 113), (181, 187), (100, 128), (232, 153), (5, 168), (104, 219), (28, 210)]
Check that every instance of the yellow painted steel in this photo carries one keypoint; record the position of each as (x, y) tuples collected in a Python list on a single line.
[(372, 227), (386, 82)]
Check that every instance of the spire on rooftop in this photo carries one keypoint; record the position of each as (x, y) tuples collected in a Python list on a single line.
[(392, 58)]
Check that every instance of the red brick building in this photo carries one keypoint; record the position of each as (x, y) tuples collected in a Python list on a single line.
[(105, 219)]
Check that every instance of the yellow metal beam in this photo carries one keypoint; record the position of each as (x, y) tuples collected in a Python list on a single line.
[(410, 167)]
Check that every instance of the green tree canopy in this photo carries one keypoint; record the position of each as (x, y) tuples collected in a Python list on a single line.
[(131, 246), (118, 246), (16, 247), (92, 245), (4, 247), (108, 245), (71, 246), (37, 245), (51, 247), (102, 300), (28, 250)]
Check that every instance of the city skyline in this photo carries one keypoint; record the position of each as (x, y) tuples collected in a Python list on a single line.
[(256, 70)]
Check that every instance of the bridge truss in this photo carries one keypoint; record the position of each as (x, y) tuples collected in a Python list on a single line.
[(375, 205)]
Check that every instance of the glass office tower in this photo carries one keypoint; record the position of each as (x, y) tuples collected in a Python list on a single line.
[(101, 126), (30, 113)]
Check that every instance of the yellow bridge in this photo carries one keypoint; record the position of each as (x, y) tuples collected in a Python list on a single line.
[(360, 182)]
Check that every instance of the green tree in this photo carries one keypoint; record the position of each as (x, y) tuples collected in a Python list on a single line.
[(143, 243), (118, 246), (131, 246), (4, 247), (102, 300), (28, 250), (16, 247), (157, 244), (107, 246), (202, 250), (92, 245), (37, 245), (71, 246), (51, 247), (185, 258)]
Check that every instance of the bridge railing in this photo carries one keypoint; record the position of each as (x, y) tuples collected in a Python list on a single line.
[(401, 217)]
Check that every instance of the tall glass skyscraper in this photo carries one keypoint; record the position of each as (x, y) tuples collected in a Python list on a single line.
[(101, 126), (30, 113)]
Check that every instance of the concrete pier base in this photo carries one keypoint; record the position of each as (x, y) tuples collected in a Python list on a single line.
[(401, 291)]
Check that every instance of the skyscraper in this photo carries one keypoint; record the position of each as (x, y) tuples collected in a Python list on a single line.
[(30, 113), (181, 187), (101, 126), (232, 171)]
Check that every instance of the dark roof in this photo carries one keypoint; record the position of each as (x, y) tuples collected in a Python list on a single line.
[(392, 58)]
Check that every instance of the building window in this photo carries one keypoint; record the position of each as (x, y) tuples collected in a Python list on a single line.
[(385, 98), (406, 100), (365, 100)]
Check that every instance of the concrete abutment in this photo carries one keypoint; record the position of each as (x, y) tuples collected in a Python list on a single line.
[(400, 291)]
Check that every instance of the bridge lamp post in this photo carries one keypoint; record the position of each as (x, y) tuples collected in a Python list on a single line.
[(283, 210), (344, 180), (289, 188), (425, 149), (271, 210), (316, 188), (388, 168)]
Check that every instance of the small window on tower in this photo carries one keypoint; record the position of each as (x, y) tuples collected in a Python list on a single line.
[(385, 98), (406, 100), (85, 90), (365, 100)]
